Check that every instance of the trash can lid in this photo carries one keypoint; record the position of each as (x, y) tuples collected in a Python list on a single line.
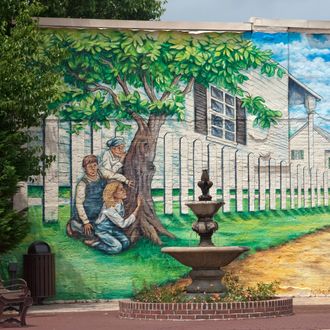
[(39, 247)]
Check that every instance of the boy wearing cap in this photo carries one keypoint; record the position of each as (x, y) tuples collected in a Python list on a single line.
[(113, 158), (88, 199)]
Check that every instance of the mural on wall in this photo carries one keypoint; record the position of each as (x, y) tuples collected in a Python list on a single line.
[(143, 113), (140, 76)]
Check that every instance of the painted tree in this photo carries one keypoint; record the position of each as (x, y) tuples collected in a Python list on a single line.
[(124, 75)]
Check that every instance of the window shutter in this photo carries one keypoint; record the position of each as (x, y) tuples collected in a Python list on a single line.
[(200, 104), (240, 122)]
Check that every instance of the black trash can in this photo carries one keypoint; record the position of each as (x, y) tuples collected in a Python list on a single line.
[(39, 271)]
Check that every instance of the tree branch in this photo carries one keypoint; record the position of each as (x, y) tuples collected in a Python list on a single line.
[(97, 87), (150, 92), (121, 82), (174, 82), (107, 89), (189, 86), (139, 120)]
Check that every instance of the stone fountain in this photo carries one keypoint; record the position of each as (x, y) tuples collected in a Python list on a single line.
[(206, 260)]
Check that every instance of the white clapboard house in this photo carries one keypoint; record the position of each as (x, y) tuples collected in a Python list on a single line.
[(303, 139), (214, 117)]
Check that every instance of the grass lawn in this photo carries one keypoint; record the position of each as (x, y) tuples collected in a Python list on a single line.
[(83, 273)]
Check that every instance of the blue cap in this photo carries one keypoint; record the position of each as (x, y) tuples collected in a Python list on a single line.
[(115, 141)]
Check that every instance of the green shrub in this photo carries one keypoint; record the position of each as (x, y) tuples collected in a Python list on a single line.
[(175, 293)]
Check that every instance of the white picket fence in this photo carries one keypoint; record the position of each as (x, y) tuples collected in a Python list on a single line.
[(244, 181)]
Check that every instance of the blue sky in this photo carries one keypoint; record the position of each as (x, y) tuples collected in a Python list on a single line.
[(307, 57), (242, 10)]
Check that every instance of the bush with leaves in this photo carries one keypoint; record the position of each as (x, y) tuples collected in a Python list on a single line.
[(175, 293), (28, 82), (110, 9)]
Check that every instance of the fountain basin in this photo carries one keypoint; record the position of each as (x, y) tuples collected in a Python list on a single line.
[(206, 263), (210, 257), (205, 209)]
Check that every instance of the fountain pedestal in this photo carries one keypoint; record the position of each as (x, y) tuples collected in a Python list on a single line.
[(205, 260)]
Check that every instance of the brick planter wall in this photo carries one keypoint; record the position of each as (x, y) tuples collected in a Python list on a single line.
[(205, 311)]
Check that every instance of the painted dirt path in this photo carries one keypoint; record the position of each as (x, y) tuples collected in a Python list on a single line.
[(301, 266)]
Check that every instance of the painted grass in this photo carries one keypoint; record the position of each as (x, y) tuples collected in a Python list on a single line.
[(83, 273)]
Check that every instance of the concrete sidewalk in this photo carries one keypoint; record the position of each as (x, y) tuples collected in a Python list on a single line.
[(306, 317), (113, 305)]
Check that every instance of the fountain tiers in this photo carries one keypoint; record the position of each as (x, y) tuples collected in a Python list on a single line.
[(205, 260), (206, 263)]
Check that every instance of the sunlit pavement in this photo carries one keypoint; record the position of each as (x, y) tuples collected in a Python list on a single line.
[(309, 313)]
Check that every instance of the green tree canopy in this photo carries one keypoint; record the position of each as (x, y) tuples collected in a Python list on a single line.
[(115, 73), (116, 76), (28, 82), (111, 9)]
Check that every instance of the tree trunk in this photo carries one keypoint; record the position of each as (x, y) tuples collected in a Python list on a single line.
[(139, 168)]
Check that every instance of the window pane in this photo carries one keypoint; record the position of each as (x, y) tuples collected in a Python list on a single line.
[(229, 111), (230, 136), (216, 106), (329, 162), (229, 125), (216, 132), (297, 154), (217, 121), (217, 93), (229, 99)]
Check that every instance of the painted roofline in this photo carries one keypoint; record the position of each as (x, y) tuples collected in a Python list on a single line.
[(254, 24), (314, 94), (322, 132), (292, 25), (298, 131), (318, 129), (80, 23)]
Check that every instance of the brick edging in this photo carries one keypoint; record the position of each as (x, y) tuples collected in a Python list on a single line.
[(206, 311)]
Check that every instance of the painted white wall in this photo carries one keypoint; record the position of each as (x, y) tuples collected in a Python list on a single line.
[(321, 145)]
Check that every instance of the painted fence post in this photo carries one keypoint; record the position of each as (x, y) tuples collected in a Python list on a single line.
[(226, 178), (272, 184), (20, 200), (183, 175), (299, 181), (77, 155), (197, 166), (219, 174), (292, 186), (312, 185), (96, 145), (318, 187), (212, 168), (283, 184), (168, 173), (251, 181), (51, 179), (239, 180), (262, 184), (306, 176), (325, 188)]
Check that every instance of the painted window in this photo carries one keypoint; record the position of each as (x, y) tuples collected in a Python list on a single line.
[(297, 154), (219, 115), (222, 118)]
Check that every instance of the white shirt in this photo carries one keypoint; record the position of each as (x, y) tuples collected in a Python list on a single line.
[(115, 214), (110, 162)]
